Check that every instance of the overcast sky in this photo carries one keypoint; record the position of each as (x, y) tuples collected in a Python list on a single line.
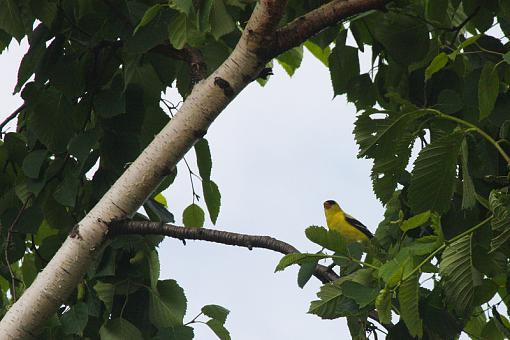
[(278, 152)]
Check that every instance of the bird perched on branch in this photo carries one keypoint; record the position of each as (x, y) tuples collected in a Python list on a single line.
[(350, 228)]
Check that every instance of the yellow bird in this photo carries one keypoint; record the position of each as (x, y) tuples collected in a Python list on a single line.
[(350, 228)]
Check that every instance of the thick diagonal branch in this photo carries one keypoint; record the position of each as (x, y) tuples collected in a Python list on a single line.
[(305, 26), (219, 236)]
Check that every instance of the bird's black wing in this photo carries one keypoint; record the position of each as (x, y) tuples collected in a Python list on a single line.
[(358, 225)]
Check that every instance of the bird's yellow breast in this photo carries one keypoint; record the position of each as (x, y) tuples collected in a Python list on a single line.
[(336, 221)]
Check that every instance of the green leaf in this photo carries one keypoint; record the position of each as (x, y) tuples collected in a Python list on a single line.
[(30, 220), (81, 145), (193, 216), (332, 304), (362, 294), (52, 106), (383, 305), (175, 333), (218, 329), (204, 161), (433, 175), (499, 203), (415, 221), (203, 15), (212, 198), (408, 299), (291, 59), (149, 14), (436, 65), (468, 187), (105, 292), (178, 31), (321, 54), (221, 21), (167, 304), (458, 276), (306, 272), (75, 319), (501, 323), (506, 57), (297, 258), (328, 239), (343, 67), (216, 312), (488, 89), (154, 268), (119, 329), (393, 270), (67, 191), (11, 20), (33, 162), (183, 6)]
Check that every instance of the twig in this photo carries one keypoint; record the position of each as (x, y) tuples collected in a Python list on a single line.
[(217, 236), (6, 249), (11, 117)]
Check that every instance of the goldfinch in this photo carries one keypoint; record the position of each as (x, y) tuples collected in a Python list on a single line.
[(350, 228)]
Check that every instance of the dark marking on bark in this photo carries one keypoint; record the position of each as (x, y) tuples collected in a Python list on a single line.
[(66, 271), (224, 85), (265, 73), (75, 232), (246, 78), (200, 133)]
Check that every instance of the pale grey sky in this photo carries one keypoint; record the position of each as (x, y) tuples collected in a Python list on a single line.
[(278, 152)]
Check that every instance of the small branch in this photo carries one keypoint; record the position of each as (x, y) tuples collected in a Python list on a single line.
[(305, 26), (11, 117), (6, 249), (218, 236)]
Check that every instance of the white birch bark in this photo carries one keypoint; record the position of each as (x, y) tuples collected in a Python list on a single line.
[(207, 100)]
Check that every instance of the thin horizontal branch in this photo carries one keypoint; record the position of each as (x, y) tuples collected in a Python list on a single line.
[(218, 236), (304, 27)]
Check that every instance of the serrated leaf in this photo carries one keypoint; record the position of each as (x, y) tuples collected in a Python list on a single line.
[(203, 15), (216, 312), (204, 161), (297, 258), (393, 270), (149, 14), (408, 299), (383, 306), (434, 174), (499, 203), (212, 199), (321, 54), (388, 141), (415, 221), (488, 89), (328, 239), (306, 272), (458, 275), (119, 329), (81, 145), (218, 329), (332, 304), (167, 304), (436, 65), (75, 319), (193, 216)]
